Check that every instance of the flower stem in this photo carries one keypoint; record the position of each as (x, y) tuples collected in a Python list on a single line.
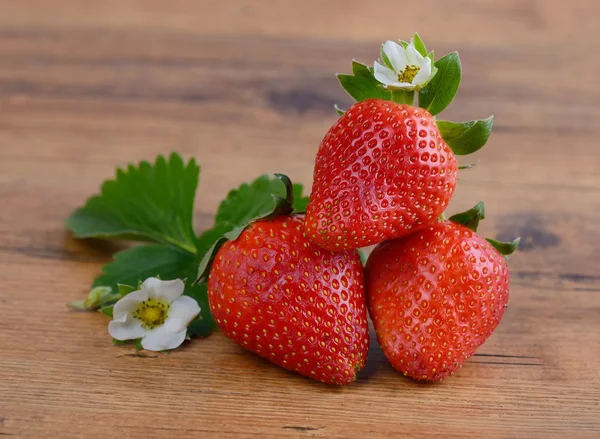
[(403, 97)]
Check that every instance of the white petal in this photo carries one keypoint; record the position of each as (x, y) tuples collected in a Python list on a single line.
[(181, 312), (396, 54), (424, 73), (412, 55), (162, 339), (400, 86), (168, 290), (130, 329), (384, 74), (128, 304)]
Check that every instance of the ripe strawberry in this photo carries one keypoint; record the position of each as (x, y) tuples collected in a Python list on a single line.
[(435, 297), (382, 172), (277, 294)]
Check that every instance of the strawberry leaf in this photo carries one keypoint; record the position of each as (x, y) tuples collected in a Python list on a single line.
[(362, 85), (505, 248), (471, 217), (442, 88), (156, 260), (246, 203), (466, 137), (107, 310), (150, 202)]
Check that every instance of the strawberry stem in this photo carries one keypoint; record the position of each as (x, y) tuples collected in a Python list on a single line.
[(403, 97)]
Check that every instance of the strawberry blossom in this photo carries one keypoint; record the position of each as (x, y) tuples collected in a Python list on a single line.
[(157, 314), (403, 68)]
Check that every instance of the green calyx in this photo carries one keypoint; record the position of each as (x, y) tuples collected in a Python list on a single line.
[(471, 218), (282, 205), (434, 95)]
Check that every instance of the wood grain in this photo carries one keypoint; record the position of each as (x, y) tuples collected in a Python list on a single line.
[(248, 88)]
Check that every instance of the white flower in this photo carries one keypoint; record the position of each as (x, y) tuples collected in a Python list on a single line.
[(157, 313), (403, 68)]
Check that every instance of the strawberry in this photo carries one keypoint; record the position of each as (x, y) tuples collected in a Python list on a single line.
[(280, 296), (382, 171), (435, 297)]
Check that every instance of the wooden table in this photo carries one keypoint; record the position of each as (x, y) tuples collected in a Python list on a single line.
[(249, 88)]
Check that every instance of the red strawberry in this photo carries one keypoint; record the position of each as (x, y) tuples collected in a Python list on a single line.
[(277, 294), (382, 172), (435, 297)]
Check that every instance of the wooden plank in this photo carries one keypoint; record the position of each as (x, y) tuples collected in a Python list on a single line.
[(249, 89)]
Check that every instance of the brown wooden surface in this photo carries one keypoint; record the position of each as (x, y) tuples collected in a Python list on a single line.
[(247, 87)]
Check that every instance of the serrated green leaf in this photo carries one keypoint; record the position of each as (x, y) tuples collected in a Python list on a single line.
[(505, 248), (362, 85), (247, 202), (471, 217), (442, 88), (143, 261), (147, 202), (466, 137), (107, 310), (419, 45)]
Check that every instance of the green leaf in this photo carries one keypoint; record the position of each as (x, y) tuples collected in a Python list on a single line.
[(147, 202), (107, 310), (204, 324), (505, 248), (246, 203), (138, 344), (207, 259), (471, 217), (442, 88), (283, 205), (125, 289), (362, 85), (143, 261), (466, 137), (419, 45), (121, 342)]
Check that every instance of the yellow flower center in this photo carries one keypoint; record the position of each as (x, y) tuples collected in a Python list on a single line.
[(152, 313), (408, 74)]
